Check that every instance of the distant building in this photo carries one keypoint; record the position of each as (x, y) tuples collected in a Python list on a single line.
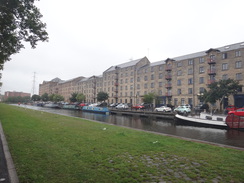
[(179, 80), (15, 94)]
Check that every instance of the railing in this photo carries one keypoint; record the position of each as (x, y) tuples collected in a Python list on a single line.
[(168, 85), (210, 81), (168, 76), (211, 61), (168, 67), (168, 94), (211, 71)]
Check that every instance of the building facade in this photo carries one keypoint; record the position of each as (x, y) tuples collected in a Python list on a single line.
[(178, 80), (8, 94)]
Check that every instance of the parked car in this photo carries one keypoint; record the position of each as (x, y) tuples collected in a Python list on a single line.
[(146, 105), (122, 106), (182, 109), (163, 109), (138, 106), (238, 112), (113, 104)]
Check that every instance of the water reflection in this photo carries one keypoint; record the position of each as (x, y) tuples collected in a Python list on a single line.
[(221, 136)]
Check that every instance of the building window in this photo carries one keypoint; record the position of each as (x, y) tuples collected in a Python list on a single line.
[(138, 79), (224, 55), (152, 77), (146, 70), (160, 84), (160, 76), (179, 82), (190, 71), (152, 69), (239, 76), (225, 77), (131, 74), (179, 73), (152, 85), (201, 90), (201, 60), (131, 80), (201, 80), (138, 86), (179, 64), (126, 87), (175, 102), (238, 64), (224, 66), (160, 92), (190, 62), (182, 101), (126, 80), (145, 78), (131, 87), (238, 53), (201, 69), (179, 91), (190, 81), (189, 90), (145, 85), (161, 68)]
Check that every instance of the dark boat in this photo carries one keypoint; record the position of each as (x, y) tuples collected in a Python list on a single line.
[(103, 110)]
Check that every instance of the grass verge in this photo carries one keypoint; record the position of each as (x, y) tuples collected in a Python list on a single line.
[(53, 148)]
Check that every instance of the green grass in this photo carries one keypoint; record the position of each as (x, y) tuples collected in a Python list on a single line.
[(53, 148)]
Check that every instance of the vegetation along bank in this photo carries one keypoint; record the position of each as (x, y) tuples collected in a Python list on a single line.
[(53, 148)]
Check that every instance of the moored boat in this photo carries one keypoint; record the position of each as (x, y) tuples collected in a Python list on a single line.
[(234, 121), (205, 120), (103, 110), (51, 105), (71, 106)]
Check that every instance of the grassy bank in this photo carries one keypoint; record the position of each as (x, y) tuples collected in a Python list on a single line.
[(53, 148)]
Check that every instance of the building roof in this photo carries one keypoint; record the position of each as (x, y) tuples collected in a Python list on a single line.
[(124, 65)]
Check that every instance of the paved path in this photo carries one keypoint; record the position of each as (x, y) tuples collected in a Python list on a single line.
[(7, 169)]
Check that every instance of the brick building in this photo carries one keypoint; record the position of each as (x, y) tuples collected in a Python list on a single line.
[(8, 94), (176, 80)]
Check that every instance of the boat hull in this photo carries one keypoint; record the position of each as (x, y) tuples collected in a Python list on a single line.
[(197, 121), (235, 122), (103, 110), (71, 107)]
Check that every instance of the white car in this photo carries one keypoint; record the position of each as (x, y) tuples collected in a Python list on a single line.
[(163, 109), (122, 106)]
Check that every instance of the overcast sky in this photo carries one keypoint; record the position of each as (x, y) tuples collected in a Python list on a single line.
[(86, 37)]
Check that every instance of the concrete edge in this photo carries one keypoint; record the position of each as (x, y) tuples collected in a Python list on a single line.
[(13, 177)]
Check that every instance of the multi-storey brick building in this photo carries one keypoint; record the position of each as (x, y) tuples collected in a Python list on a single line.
[(8, 94), (176, 80)]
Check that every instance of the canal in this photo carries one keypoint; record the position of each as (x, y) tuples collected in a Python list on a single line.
[(221, 136)]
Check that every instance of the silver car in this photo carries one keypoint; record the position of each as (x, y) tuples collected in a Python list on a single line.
[(163, 109)]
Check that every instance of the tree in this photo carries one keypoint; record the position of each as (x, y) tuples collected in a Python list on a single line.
[(73, 97), (35, 98), (20, 21), (102, 96), (218, 90), (44, 97), (80, 97), (148, 98), (58, 98)]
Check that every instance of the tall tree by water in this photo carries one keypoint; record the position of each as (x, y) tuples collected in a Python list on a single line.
[(20, 21)]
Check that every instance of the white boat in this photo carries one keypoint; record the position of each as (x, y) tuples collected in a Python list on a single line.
[(205, 119)]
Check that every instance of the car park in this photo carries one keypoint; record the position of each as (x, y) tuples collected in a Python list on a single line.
[(163, 109)]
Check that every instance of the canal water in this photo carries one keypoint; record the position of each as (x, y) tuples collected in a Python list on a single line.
[(221, 136)]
